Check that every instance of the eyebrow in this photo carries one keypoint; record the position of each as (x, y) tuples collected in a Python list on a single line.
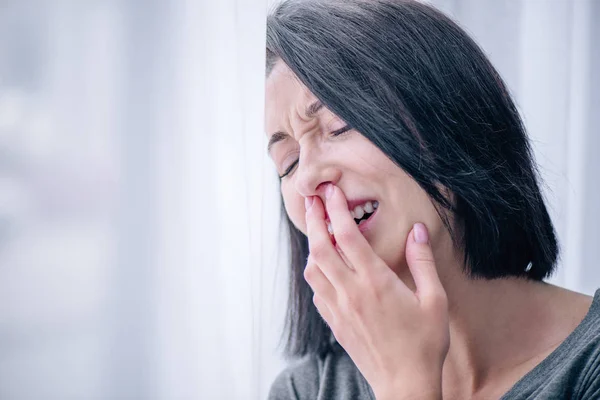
[(313, 109), (276, 138), (279, 136)]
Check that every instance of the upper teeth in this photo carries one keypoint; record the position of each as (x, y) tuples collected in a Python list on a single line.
[(359, 211)]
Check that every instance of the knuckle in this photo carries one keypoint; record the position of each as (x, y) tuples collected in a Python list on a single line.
[(340, 335), (316, 301), (309, 272), (318, 251)]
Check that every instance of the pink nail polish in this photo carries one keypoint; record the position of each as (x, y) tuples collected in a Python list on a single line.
[(420, 233)]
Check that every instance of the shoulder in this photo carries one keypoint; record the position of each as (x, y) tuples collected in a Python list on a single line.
[(572, 370), (575, 365), (586, 362), (299, 381), (332, 376)]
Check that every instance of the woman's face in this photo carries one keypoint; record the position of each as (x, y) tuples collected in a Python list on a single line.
[(350, 161)]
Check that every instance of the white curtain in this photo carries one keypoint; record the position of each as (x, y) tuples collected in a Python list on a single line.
[(140, 255), (138, 214)]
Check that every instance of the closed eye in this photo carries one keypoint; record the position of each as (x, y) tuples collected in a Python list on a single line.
[(341, 130), (291, 168)]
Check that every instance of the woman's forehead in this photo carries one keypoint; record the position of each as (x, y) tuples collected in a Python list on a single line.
[(283, 84), (285, 95)]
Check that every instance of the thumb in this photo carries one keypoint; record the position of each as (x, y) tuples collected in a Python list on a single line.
[(421, 264)]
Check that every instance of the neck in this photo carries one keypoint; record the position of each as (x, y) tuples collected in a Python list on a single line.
[(501, 328)]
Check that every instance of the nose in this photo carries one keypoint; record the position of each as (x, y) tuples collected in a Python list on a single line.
[(314, 170)]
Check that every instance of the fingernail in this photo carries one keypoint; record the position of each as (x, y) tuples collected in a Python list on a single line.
[(308, 202), (328, 191), (420, 233)]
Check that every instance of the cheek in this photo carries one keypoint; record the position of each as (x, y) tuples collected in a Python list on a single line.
[(418, 207), (294, 206), (407, 204)]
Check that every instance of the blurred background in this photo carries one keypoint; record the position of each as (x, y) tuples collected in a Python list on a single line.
[(140, 255)]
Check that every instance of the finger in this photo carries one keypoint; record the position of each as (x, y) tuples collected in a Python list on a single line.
[(348, 237), (319, 282), (343, 257), (322, 249), (421, 263), (323, 309)]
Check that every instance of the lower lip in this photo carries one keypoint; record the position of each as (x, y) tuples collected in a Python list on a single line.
[(364, 226)]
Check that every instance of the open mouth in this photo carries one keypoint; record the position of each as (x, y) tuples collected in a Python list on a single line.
[(361, 213)]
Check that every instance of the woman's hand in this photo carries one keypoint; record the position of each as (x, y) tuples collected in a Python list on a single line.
[(397, 338)]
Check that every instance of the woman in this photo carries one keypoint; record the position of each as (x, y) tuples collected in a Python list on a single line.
[(419, 234)]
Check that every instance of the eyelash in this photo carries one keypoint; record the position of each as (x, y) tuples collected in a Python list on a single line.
[(334, 134)]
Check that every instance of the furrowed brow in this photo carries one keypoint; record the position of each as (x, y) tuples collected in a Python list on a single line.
[(313, 109), (279, 136)]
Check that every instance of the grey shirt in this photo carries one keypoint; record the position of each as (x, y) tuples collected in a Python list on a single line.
[(571, 371)]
